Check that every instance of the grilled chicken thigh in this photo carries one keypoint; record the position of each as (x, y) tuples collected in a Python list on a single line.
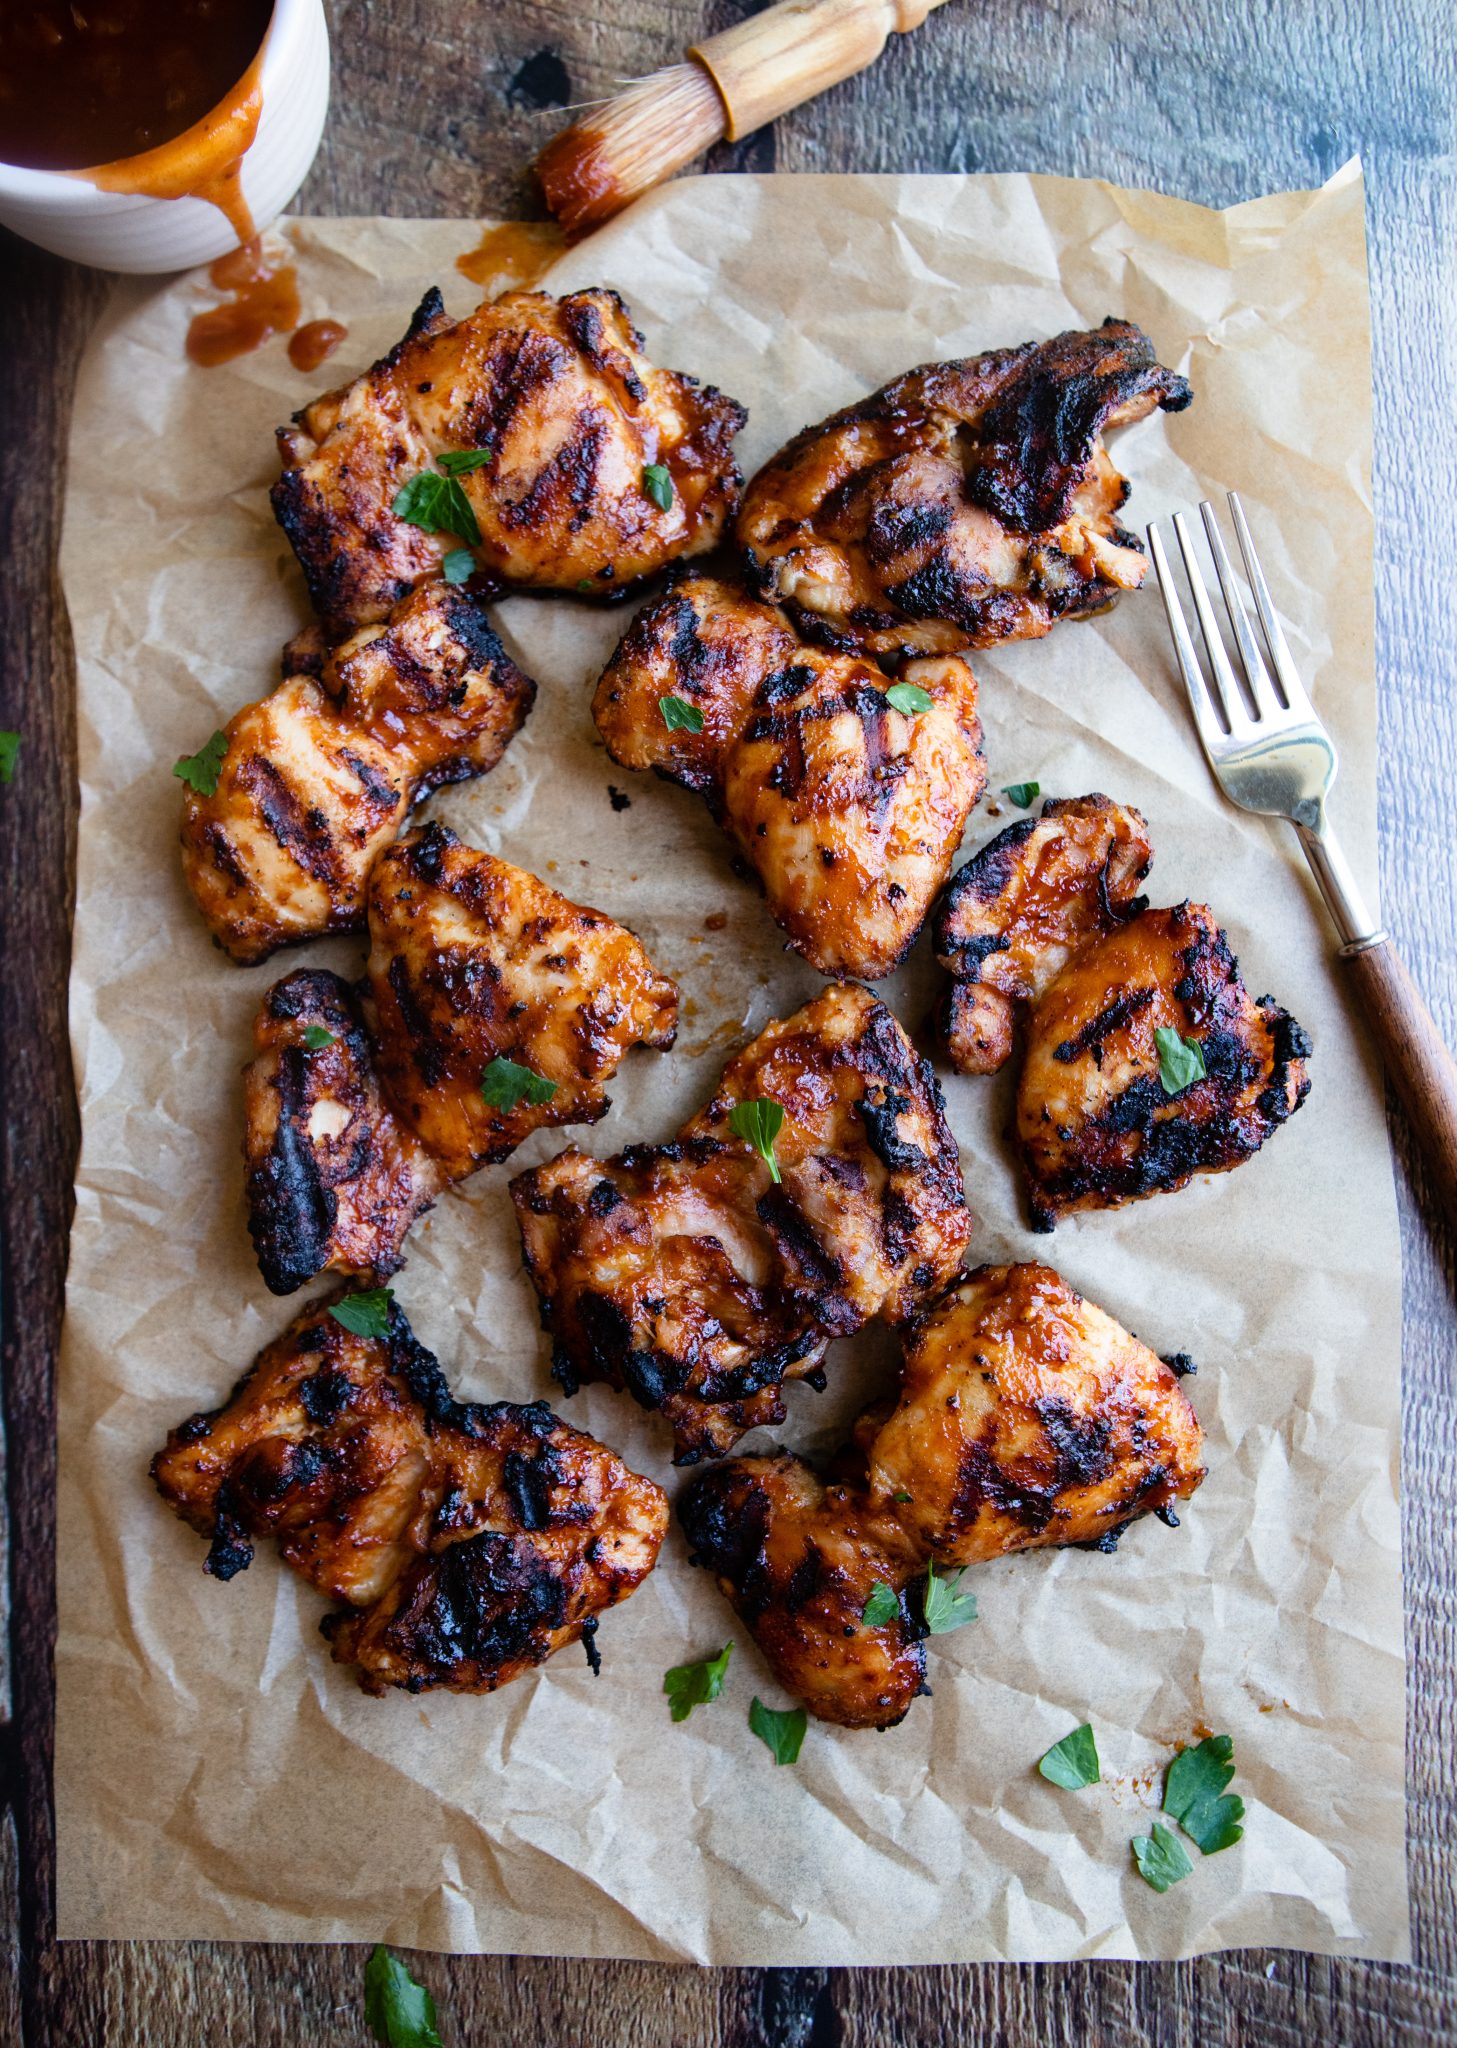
[(1018, 910), (848, 808), (965, 503), (466, 1542), (598, 465), (1096, 1125), (483, 982), (698, 1279), (1027, 1417), (319, 777)]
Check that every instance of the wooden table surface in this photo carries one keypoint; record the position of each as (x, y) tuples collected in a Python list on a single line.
[(435, 111)]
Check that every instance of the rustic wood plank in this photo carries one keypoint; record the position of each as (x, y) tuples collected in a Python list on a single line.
[(1215, 99)]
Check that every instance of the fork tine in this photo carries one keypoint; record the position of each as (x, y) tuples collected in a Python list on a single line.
[(1285, 669), (1257, 676), (1225, 688), (1210, 732)]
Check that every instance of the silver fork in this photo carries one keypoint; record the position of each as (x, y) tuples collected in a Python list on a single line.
[(1270, 753)]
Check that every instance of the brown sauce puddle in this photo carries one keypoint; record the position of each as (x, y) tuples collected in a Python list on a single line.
[(517, 253)]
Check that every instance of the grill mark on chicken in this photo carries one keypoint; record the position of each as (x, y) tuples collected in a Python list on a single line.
[(1026, 1418), (1090, 1037), (466, 1542)]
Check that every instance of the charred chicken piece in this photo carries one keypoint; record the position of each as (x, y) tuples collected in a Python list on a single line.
[(472, 963), (335, 1178), (1027, 1417), (466, 1542), (848, 808), (966, 503), (472, 960), (1014, 915), (799, 1561), (1096, 1126), (694, 1278), (572, 416), (319, 777)]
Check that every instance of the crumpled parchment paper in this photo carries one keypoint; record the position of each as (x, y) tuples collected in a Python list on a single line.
[(216, 1774)]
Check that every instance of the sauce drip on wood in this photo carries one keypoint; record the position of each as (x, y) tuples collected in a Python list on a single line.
[(264, 301), (315, 343), (518, 254), (91, 81)]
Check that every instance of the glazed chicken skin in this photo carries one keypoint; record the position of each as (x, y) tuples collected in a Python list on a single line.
[(848, 808), (558, 394), (466, 1543), (334, 1178), (1027, 1417), (687, 1275), (1095, 1125), (319, 776), (965, 503), (1018, 910), (472, 961)]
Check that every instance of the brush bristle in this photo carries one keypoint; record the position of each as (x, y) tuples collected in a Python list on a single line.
[(594, 168)]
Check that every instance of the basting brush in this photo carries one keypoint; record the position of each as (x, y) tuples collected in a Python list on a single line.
[(728, 85)]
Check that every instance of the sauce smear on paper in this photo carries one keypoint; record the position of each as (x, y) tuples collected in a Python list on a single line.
[(264, 301), (315, 343), (517, 253)]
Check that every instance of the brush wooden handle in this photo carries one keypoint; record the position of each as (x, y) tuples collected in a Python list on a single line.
[(1417, 1061), (780, 58)]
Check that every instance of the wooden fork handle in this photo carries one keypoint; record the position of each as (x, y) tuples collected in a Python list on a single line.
[(1417, 1060)]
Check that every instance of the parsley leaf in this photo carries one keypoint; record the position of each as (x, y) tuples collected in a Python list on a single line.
[(679, 715), (882, 1606), (9, 748), (1073, 1762), (781, 1733), (1192, 1794), (1181, 1063), (367, 1314), (900, 1496), (658, 485), (461, 461), (909, 698), (399, 2012), (438, 504), (1161, 1858), (505, 1084), (200, 771), (1023, 794), (694, 1685), (316, 1037), (947, 1609), (759, 1122), (459, 566), (587, 583)]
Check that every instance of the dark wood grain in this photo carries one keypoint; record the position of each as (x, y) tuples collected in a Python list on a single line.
[(1214, 99), (1418, 1064)]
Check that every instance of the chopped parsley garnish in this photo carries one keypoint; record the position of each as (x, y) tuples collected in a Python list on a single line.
[(1195, 1797), (882, 1606), (781, 1733), (1161, 1858), (759, 1122), (1181, 1063), (398, 2011), (366, 1314), (947, 1609), (1073, 1762), (461, 461), (679, 715), (587, 583), (438, 505), (506, 1083), (9, 748), (694, 1685), (316, 1037), (200, 771), (459, 566), (1023, 794), (909, 698), (658, 485), (900, 1496)]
